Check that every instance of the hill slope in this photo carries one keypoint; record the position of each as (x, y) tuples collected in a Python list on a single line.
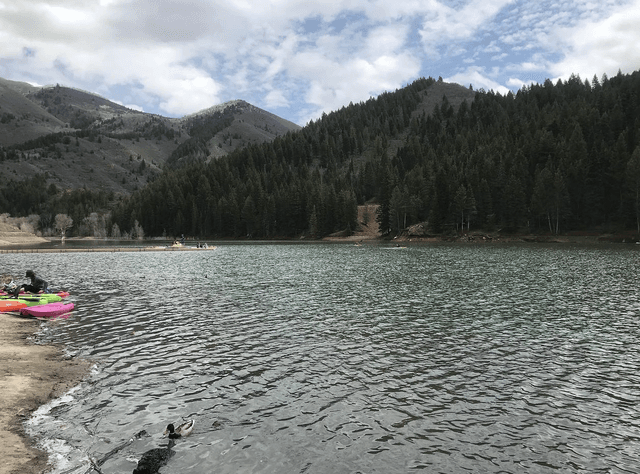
[(77, 139), (20, 118)]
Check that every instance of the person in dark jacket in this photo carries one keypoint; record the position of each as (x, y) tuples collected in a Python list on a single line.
[(37, 284)]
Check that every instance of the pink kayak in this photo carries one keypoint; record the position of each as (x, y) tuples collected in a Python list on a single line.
[(47, 310)]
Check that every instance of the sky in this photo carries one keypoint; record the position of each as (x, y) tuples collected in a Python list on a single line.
[(301, 58)]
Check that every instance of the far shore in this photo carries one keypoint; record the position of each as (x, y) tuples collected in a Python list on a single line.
[(114, 245)]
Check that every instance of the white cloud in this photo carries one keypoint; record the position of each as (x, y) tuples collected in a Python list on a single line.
[(477, 77), (192, 93), (530, 66), (493, 48), (516, 83), (276, 98), (334, 84), (444, 24), (594, 47), (280, 55), (177, 57), (334, 75), (385, 40)]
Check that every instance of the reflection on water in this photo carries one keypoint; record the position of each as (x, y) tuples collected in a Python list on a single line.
[(336, 358)]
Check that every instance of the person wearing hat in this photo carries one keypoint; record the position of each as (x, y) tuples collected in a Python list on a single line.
[(37, 284)]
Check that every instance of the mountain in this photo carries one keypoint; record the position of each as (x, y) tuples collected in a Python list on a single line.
[(98, 149), (219, 130), (436, 158), (20, 118), (78, 139), (305, 182)]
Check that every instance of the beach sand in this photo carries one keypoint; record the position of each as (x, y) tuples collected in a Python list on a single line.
[(30, 376), (11, 235)]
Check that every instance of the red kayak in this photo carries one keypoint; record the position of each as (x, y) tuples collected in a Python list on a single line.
[(47, 310), (11, 305)]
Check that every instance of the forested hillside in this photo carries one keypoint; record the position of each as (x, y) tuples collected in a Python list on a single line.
[(306, 182), (551, 158), (76, 139)]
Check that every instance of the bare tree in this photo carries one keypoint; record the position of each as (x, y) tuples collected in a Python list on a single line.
[(62, 223), (96, 224), (115, 231), (137, 232)]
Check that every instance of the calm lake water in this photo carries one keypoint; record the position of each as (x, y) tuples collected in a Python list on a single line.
[(332, 358)]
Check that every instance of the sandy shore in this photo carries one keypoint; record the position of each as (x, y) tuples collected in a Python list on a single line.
[(11, 235), (30, 376)]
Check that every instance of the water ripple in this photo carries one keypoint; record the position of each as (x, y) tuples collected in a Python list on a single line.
[(333, 358)]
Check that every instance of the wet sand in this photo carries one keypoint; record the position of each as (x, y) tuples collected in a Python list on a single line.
[(30, 376)]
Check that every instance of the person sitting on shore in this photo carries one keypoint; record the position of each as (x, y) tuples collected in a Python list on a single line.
[(37, 284)]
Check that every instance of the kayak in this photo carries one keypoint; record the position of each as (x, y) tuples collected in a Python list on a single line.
[(30, 300), (52, 297), (43, 297), (47, 310), (11, 305)]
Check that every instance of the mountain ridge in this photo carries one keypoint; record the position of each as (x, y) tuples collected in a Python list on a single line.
[(77, 138)]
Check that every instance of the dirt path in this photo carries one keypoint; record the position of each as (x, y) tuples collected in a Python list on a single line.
[(368, 226), (30, 376)]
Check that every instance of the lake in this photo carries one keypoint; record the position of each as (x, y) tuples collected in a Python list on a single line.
[(333, 358)]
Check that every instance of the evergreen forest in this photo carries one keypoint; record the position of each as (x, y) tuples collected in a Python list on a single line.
[(552, 158)]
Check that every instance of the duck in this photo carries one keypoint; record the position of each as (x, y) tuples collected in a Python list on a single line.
[(152, 460), (181, 431)]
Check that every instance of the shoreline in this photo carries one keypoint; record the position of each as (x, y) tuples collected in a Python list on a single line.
[(31, 375), (104, 248), (471, 239)]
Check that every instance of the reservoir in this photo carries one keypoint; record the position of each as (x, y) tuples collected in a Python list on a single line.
[(336, 358)]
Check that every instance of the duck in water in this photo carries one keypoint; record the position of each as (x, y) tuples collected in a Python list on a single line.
[(184, 429), (154, 459)]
